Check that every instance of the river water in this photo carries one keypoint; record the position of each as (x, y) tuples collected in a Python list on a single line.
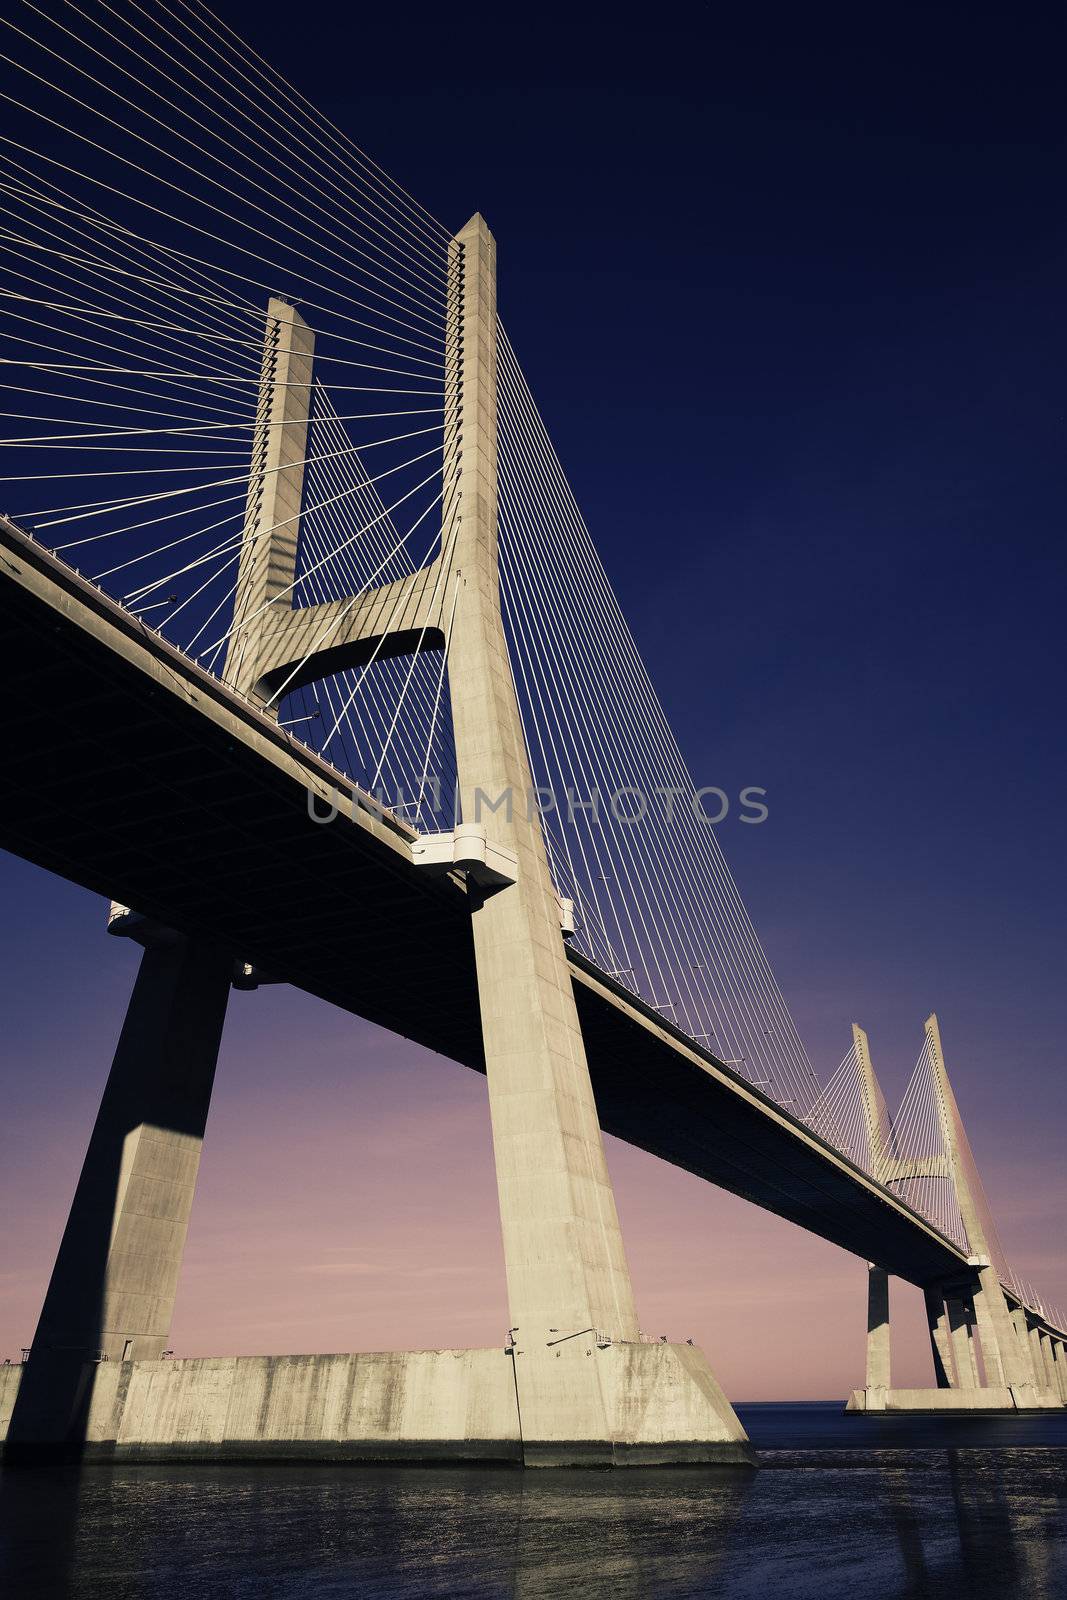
[(842, 1506)]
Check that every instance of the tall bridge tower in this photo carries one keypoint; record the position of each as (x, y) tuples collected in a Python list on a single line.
[(581, 1383)]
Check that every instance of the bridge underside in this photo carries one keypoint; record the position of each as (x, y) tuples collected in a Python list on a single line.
[(131, 772)]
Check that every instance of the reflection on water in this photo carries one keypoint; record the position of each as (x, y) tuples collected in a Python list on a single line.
[(834, 1512)]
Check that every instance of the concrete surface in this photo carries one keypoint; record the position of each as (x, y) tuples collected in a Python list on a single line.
[(415, 1406), (995, 1398)]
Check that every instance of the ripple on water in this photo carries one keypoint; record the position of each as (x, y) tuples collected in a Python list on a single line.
[(825, 1519)]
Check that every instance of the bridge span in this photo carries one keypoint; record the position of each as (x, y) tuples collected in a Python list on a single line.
[(138, 775)]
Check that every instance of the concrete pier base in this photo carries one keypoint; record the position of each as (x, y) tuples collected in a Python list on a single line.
[(957, 1401), (407, 1406)]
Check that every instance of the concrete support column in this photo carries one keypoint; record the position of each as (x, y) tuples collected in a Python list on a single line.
[(878, 1348), (961, 1326), (1021, 1329), (562, 1243), (1048, 1371), (1059, 1364), (1007, 1364), (113, 1285), (1037, 1356), (1037, 1360), (116, 1275), (566, 1267), (940, 1337)]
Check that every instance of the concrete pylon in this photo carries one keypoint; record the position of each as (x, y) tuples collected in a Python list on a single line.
[(571, 1302), (267, 566), (1004, 1364), (874, 1114)]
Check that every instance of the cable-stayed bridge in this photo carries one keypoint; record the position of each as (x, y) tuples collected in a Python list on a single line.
[(316, 673)]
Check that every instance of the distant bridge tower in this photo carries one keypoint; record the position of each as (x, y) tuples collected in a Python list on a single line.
[(970, 1311), (876, 1126), (1005, 1355)]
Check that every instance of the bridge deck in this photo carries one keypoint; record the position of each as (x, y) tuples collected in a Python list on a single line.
[(134, 773)]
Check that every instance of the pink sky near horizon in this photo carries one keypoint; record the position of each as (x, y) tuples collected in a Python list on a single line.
[(347, 1201)]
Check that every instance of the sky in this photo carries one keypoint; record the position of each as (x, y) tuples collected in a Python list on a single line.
[(788, 290)]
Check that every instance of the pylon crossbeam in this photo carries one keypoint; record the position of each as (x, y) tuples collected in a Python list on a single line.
[(305, 644)]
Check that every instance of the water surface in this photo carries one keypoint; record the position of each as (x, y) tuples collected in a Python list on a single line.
[(842, 1507)]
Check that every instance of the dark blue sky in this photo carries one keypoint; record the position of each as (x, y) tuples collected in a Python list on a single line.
[(789, 289)]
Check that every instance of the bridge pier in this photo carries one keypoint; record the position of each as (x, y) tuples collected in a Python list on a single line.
[(1049, 1369), (111, 1293), (1059, 1362), (1021, 1329), (1004, 1362), (1037, 1353), (940, 1337), (879, 1356), (965, 1355)]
